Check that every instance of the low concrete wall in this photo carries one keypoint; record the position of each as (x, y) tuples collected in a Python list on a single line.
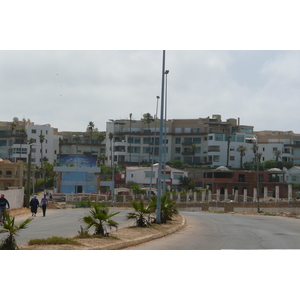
[(15, 197)]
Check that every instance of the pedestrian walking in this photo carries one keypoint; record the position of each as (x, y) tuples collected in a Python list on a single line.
[(34, 204), (44, 203), (3, 203)]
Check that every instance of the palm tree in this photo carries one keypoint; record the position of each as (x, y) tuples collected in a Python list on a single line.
[(194, 150), (24, 136), (111, 136), (42, 139), (102, 158), (242, 150), (91, 126), (100, 218), (12, 127), (9, 242), (100, 139), (147, 118), (228, 148), (142, 213), (277, 154)]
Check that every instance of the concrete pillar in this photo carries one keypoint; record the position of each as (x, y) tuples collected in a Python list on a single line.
[(124, 199), (255, 195), (203, 195), (265, 194), (290, 190), (195, 197), (226, 195), (209, 195), (245, 195), (236, 195), (218, 195), (277, 193)]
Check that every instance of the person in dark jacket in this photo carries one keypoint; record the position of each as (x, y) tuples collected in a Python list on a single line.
[(34, 204), (3, 203), (44, 203)]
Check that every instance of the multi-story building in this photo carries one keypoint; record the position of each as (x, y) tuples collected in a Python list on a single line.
[(12, 174), (204, 141), (143, 175), (83, 143), (286, 142), (14, 137)]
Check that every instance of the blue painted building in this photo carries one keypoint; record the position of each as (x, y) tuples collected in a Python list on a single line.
[(77, 174)]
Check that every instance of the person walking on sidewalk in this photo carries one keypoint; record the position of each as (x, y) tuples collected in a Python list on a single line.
[(34, 204), (3, 203), (44, 203)]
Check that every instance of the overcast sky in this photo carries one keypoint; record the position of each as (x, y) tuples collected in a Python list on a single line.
[(68, 89)]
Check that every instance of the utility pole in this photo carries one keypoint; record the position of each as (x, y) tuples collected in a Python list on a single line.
[(158, 206)]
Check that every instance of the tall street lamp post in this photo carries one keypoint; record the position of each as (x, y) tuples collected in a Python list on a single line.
[(165, 135), (158, 207)]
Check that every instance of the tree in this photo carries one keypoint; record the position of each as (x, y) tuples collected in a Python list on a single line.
[(102, 158), (142, 213), (194, 150), (242, 150), (91, 126), (168, 208), (111, 136), (12, 128), (277, 154), (147, 118), (100, 219), (24, 136), (255, 150), (186, 183), (228, 148), (9, 242)]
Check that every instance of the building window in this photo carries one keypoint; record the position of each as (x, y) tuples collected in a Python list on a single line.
[(240, 138), (197, 140), (177, 176), (219, 137), (33, 130), (216, 158), (188, 140), (149, 174), (177, 150)]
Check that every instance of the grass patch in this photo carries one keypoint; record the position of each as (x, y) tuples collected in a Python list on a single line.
[(54, 240)]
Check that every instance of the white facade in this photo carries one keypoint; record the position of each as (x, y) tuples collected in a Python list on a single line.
[(293, 175), (50, 146), (142, 176)]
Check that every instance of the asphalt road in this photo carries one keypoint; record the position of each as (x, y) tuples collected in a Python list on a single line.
[(60, 222), (213, 231)]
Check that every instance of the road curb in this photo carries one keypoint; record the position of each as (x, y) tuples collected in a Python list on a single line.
[(122, 245)]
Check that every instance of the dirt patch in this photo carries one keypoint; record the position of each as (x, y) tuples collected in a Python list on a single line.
[(120, 239)]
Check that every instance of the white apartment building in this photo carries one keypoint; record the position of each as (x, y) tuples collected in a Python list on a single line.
[(49, 148), (143, 175), (287, 142), (202, 141), (14, 141)]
